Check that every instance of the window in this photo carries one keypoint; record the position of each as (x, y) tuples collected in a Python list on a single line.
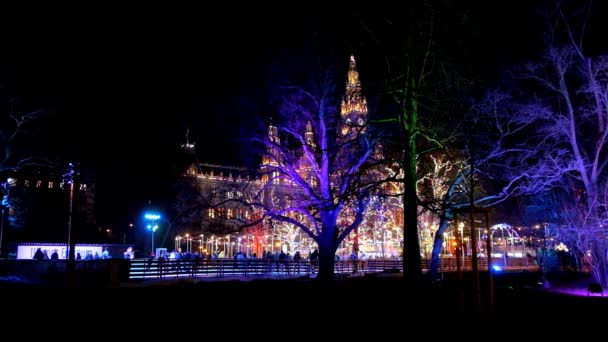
[(50, 185), (275, 177), (221, 213)]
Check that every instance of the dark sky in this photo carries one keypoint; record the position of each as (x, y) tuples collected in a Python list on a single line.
[(122, 84)]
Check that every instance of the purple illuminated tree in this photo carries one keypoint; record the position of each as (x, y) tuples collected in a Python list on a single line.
[(562, 99), (546, 130), (527, 138), (316, 167), (495, 163)]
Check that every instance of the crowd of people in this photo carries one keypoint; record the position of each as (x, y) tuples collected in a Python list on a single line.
[(41, 254)]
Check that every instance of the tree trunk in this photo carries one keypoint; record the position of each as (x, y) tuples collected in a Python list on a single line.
[(437, 248), (412, 263), (600, 268), (327, 259)]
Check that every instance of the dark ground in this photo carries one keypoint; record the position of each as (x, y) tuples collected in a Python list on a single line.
[(359, 308)]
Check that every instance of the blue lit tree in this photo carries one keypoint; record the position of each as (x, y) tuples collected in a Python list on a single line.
[(315, 167), (572, 116), (561, 96), (491, 166)]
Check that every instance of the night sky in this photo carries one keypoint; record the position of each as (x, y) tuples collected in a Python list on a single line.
[(122, 84)]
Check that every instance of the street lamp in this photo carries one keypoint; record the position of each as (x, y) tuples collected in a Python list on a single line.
[(188, 243), (152, 226), (200, 246), (3, 206), (177, 243), (124, 234)]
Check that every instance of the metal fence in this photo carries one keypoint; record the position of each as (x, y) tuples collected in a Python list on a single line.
[(155, 268)]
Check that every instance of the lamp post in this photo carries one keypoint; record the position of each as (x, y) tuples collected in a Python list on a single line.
[(201, 247), (188, 243), (177, 242), (70, 177), (152, 226), (124, 234), (3, 206), (1, 229)]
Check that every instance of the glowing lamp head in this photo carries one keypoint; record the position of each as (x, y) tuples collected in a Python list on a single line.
[(152, 216), (152, 226)]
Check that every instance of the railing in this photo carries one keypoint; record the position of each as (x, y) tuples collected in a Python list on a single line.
[(154, 268), (450, 264)]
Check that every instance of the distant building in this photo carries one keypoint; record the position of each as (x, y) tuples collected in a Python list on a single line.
[(37, 205)]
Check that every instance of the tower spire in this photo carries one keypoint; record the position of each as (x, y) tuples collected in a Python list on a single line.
[(187, 145), (353, 74), (309, 135), (272, 157), (190, 158), (353, 99), (353, 109), (272, 150)]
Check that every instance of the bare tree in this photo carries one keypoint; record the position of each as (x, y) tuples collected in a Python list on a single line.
[(586, 234), (424, 85), (15, 125), (315, 169), (563, 96), (501, 159)]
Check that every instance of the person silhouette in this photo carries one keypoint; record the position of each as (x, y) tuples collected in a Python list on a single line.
[(39, 255)]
